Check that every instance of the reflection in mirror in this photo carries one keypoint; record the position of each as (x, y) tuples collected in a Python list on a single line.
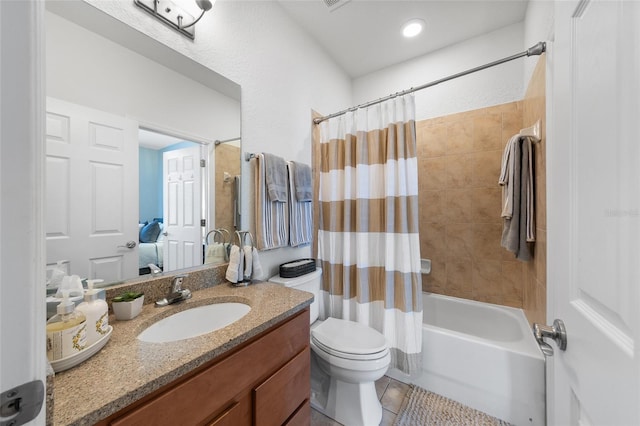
[(99, 95)]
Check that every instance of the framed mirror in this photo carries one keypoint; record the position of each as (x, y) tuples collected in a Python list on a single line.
[(143, 150)]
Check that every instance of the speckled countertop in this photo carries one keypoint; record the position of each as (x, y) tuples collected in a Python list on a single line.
[(127, 369)]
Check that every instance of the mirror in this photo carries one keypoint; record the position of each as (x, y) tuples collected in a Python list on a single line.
[(135, 96)]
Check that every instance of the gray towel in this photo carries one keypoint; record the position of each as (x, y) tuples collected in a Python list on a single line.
[(302, 182), (276, 177), (514, 229)]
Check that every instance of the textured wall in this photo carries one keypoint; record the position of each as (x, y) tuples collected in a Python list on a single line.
[(493, 86), (283, 72)]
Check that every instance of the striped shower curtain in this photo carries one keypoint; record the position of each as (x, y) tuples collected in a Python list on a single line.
[(368, 240)]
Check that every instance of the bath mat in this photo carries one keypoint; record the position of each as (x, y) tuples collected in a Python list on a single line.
[(421, 407)]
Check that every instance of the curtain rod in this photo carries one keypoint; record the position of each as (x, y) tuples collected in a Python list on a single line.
[(218, 142), (538, 49)]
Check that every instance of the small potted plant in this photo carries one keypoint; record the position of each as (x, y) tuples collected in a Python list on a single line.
[(127, 305)]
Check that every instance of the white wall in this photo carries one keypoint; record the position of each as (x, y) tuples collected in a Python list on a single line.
[(493, 86), (538, 26), (282, 71)]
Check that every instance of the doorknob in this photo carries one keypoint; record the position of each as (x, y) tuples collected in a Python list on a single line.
[(557, 332), (130, 244)]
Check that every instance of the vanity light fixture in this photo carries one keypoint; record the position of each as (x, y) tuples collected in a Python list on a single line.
[(412, 28), (173, 15)]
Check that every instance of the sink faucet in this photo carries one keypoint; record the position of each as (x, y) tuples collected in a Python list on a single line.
[(177, 293)]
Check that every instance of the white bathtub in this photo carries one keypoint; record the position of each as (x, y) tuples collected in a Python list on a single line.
[(483, 356)]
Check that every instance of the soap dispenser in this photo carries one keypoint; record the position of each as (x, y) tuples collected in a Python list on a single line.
[(97, 312), (66, 331)]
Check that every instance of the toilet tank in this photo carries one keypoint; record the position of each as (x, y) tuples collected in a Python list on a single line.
[(309, 282)]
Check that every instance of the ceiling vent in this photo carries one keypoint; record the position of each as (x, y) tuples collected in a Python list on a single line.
[(333, 5)]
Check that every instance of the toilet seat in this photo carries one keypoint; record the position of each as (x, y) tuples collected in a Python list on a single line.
[(349, 340)]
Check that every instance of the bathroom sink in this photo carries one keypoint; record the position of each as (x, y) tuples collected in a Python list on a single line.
[(194, 322)]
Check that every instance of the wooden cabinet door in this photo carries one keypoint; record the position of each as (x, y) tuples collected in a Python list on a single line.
[(278, 397)]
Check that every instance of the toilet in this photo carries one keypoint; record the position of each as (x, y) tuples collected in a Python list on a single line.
[(346, 360)]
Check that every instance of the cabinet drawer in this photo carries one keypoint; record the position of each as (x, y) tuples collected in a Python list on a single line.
[(238, 414), (302, 416), (280, 395)]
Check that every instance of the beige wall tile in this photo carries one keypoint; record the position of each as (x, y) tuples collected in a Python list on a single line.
[(487, 285), (487, 132), (459, 137), (486, 168), (459, 241), (486, 241), (459, 172), (432, 206), (433, 240), (485, 205), (512, 279), (458, 206), (432, 173), (435, 141), (459, 279)]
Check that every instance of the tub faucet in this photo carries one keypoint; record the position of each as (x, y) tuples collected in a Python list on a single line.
[(176, 293), (155, 269)]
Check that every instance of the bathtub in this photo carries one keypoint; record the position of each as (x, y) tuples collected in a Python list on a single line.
[(481, 355)]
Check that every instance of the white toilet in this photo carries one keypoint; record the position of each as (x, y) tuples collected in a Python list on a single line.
[(346, 360)]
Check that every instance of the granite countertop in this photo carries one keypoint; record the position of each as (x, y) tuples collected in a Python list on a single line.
[(127, 369)]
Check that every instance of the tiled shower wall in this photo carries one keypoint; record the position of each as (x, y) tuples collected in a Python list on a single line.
[(227, 160), (459, 160), (535, 280)]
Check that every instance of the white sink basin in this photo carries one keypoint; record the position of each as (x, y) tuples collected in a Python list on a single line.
[(194, 322)]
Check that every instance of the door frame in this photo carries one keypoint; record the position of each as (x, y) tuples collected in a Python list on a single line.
[(22, 154), (207, 152)]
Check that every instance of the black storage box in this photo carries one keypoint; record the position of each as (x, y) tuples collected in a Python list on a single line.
[(298, 267)]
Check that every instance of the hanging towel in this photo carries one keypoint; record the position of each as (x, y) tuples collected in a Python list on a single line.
[(518, 228), (271, 225), (301, 181), (235, 269), (506, 175), (300, 214), (216, 253), (257, 266), (276, 177), (248, 262)]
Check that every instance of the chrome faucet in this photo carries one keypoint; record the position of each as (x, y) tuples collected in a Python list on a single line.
[(155, 269), (177, 293)]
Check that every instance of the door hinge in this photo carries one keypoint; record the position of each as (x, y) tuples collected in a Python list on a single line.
[(21, 404), (203, 222), (203, 163)]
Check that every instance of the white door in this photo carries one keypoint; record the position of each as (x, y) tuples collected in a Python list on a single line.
[(182, 208), (91, 191), (594, 213)]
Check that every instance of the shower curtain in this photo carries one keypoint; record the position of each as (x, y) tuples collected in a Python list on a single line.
[(368, 241)]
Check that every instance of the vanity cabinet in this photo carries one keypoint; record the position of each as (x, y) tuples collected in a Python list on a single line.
[(263, 382)]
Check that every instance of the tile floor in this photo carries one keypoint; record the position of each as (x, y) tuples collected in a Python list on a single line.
[(390, 393)]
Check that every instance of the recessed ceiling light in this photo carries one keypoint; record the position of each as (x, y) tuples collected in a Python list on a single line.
[(413, 28)]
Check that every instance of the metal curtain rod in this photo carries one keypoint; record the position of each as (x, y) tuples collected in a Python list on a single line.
[(538, 49), (218, 142)]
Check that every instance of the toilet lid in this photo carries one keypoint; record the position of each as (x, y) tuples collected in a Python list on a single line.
[(348, 337)]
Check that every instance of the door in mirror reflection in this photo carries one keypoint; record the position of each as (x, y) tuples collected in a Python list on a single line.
[(173, 204), (91, 208), (182, 208)]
